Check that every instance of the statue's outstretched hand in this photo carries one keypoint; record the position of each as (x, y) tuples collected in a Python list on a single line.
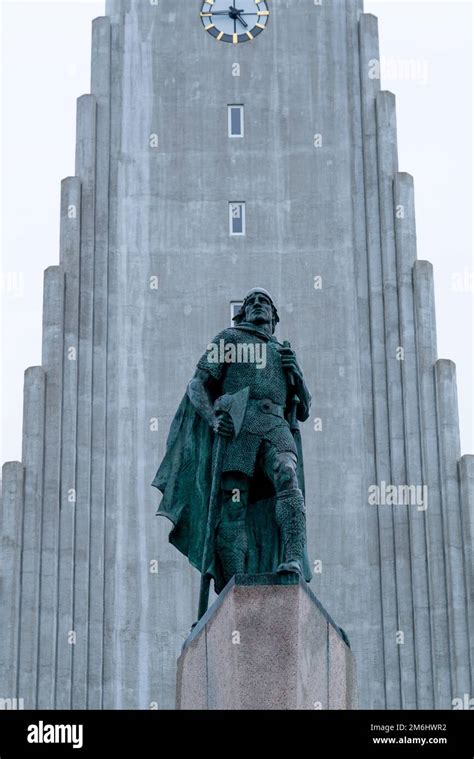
[(223, 424)]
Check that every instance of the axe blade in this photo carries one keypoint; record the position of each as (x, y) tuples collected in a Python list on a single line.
[(236, 408)]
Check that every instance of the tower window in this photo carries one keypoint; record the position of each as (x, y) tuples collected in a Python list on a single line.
[(236, 120), (236, 218), (235, 307)]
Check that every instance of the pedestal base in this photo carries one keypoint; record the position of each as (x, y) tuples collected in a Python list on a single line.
[(266, 643)]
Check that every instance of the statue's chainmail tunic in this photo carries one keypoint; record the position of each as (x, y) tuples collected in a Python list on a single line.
[(267, 382)]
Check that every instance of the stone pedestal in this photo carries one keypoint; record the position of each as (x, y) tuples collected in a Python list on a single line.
[(266, 643)]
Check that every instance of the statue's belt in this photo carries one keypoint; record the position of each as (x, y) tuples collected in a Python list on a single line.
[(267, 406)]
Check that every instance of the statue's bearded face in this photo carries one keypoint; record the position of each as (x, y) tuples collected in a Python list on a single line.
[(258, 310)]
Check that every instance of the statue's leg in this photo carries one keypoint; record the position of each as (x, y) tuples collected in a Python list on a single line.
[(231, 540), (290, 515)]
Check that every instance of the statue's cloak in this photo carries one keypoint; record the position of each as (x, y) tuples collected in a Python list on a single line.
[(185, 478)]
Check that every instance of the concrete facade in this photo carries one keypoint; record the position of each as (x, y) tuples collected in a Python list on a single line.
[(96, 602)]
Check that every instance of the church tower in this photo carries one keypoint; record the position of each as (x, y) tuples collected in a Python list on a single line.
[(208, 163)]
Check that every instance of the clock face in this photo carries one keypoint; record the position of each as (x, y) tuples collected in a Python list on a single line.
[(234, 20)]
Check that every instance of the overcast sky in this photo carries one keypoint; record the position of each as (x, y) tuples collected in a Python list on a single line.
[(46, 66)]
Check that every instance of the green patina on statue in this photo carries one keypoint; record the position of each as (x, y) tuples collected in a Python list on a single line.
[(232, 476)]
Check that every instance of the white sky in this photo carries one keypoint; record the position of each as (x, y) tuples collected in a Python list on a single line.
[(46, 65)]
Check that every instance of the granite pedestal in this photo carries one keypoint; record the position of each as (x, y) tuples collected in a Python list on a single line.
[(266, 643)]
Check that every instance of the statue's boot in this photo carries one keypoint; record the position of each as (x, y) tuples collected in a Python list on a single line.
[(291, 518), (231, 545)]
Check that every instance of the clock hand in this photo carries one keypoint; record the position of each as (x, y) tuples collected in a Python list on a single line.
[(223, 13), (230, 12), (244, 23), (235, 13), (227, 13)]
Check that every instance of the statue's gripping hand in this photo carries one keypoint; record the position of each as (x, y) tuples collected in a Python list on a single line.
[(223, 424), (290, 363), (293, 369)]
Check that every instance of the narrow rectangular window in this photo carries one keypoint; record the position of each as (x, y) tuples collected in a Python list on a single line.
[(236, 120), (236, 218), (235, 307)]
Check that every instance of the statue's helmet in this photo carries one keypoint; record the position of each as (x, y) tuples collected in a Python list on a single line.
[(240, 315)]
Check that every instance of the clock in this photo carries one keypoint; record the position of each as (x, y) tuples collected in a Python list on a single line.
[(234, 20)]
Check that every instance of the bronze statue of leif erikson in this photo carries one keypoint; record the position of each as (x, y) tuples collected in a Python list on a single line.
[(232, 475)]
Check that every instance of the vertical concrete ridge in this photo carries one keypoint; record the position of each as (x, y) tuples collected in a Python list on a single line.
[(426, 351), (370, 87), (387, 158), (100, 57), (86, 169), (100, 87), (369, 576), (111, 663), (85, 137), (466, 478), (369, 54), (405, 225), (386, 113), (34, 399), (53, 317), (69, 218), (387, 164), (11, 534), (52, 360), (117, 8), (466, 484), (405, 241), (425, 313), (70, 241), (449, 452)]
